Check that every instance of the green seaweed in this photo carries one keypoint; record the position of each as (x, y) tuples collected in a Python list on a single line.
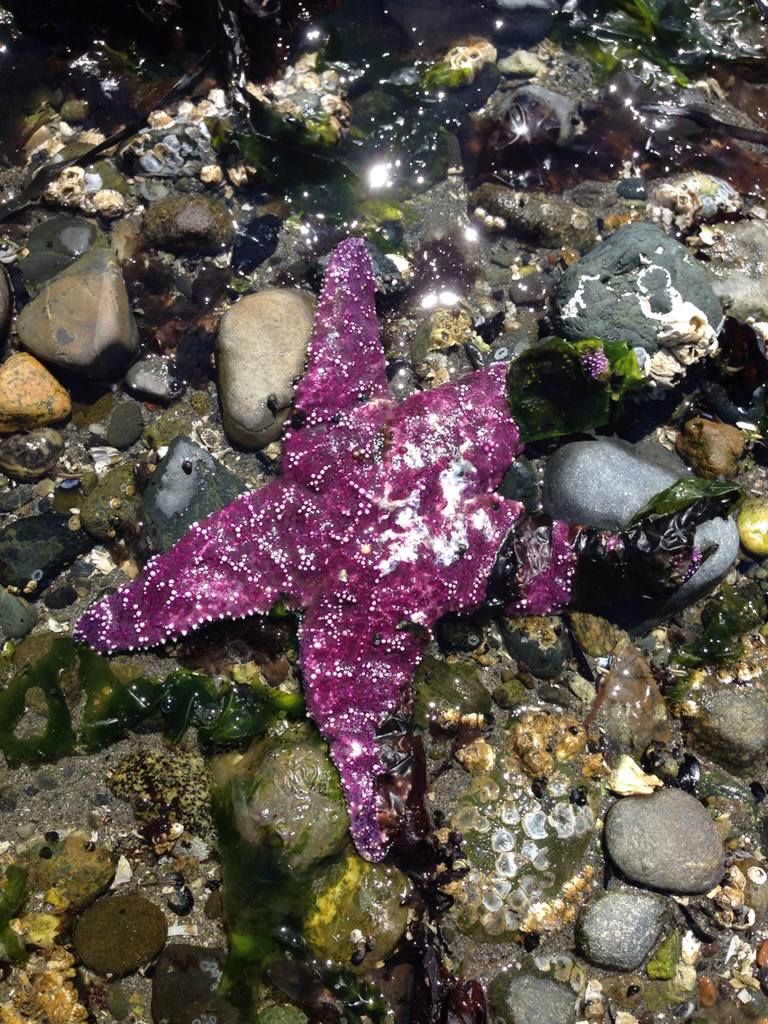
[(11, 897), (662, 41), (58, 738), (552, 393), (724, 497), (734, 611)]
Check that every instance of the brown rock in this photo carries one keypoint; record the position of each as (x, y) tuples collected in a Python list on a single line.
[(30, 396), (81, 319), (189, 224), (712, 449)]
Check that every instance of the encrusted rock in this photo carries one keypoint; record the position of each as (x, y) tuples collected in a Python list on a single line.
[(712, 449), (189, 224)]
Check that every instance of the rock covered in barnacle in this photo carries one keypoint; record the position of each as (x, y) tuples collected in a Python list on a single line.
[(550, 221), (689, 199), (526, 826), (461, 64)]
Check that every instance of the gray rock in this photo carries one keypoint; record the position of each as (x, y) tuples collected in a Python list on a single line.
[(154, 377), (53, 245), (604, 482), (619, 929), (17, 616), (184, 985), (5, 302), (735, 267), (639, 286), (261, 349), (188, 485), (125, 426), (530, 998), (665, 841), (81, 319), (536, 641), (732, 725)]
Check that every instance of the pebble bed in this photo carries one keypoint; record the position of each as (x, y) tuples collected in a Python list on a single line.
[(610, 804)]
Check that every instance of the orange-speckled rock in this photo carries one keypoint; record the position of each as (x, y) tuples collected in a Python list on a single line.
[(30, 396)]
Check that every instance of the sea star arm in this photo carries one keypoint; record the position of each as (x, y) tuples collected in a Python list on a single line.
[(236, 562), (345, 362)]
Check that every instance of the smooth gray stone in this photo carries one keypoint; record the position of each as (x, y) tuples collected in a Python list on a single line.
[(188, 485), (528, 998), (17, 616), (619, 929), (721, 532), (602, 483), (666, 841)]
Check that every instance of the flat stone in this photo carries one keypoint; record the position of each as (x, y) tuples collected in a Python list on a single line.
[(261, 349), (529, 998), (188, 485), (30, 396), (126, 425), (189, 224), (619, 929), (32, 549), (666, 841), (735, 268), (638, 286), (81, 319)]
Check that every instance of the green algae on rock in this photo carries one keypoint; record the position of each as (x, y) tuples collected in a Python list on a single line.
[(447, 692), (71, 873), (120, 934)]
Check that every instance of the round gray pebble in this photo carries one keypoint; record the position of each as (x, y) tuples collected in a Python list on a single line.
[(531, 999), (666, 841), (619, 929)]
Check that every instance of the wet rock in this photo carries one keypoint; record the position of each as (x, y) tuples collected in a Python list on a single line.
[(166, 792), (34, 548), (731, 805), (71, 873), (357, 896), (519, 483), (752, 524), (53, 245), (446, 693), (31, 456), (126, 425), (665, 841), (189, 224), (619, 929), (627, 475), (536, 641), (731, 724), (186, 487), (457, 633), (81, 319), (282, 1013), (286, 797), (255, 242), (113, 505), (5, 302), (261, 349), (735, 266), (632, 189), (595, 636), (17, 616), (120, 934), (550, 221), (30, 396), (154, 377), (184, 986), (176, 421), (643, 287), (531, 998), (712, 449)]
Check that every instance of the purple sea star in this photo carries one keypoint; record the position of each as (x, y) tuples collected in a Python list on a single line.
[(384, 518)]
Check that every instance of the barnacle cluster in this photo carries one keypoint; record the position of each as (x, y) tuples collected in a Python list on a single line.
[(43, 992)]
